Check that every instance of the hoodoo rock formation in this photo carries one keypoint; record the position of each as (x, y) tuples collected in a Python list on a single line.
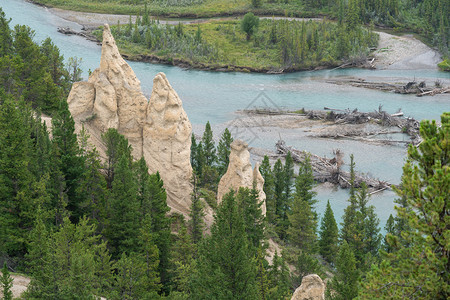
[(240, 174), (159, 129), (312, 288)]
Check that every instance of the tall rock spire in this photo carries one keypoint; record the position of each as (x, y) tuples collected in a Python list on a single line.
[(157, 129), (240, 174), (167, 141)]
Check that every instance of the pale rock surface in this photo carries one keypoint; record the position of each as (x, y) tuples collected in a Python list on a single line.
[(167, 142), (312, 288), (240, 174), (159, 129)]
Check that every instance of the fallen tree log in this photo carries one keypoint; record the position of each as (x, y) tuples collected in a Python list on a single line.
[(412, 87), (329, 170)]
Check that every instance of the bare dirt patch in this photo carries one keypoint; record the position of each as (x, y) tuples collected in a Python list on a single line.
[(404, 53)]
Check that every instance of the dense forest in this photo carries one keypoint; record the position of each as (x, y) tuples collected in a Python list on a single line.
[(83, 227)]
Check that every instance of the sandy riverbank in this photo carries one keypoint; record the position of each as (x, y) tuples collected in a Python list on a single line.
[(404, 53)]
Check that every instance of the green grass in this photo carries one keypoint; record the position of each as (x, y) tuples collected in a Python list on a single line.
[(198, 8)]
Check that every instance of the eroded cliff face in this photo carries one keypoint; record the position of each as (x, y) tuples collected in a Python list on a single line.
[(240, 174), (158, 129), (312, 288)]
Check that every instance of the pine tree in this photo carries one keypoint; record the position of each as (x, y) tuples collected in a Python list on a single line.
[(250, 209), (160, 226), (349, 230), (116, 146), (15, 177), (92, 184), (130, 281), (69, 154), (196, 223), (390, 229), (266, 173), (123, 223), (223, 151), (149, 255), (6, 283), (280, 200), (279, 279), (182, 261), (194, 158), (226, 267), (420, 269), (73, 261), (344, 284), (302, 230), (209, 150), (5, 35), (261, 275), (328, 242)]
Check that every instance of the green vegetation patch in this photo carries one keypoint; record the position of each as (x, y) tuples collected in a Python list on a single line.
[(270, 45), (445, 65)]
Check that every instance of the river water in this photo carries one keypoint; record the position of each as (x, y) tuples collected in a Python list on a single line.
[(214, 97)]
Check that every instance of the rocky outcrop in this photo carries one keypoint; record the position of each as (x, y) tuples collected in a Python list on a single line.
[(159, 129), (167, 142), (240, 174), (312, 288)]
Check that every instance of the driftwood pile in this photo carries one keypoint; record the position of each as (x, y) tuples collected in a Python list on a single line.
[(70, 31), (329, 170), (412, 87), (409, 126)]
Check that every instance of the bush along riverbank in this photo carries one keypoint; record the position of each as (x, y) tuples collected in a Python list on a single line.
[(250, 44)]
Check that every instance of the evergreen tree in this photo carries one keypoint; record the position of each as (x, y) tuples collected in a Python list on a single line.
[(226, 267), (92, 184), (304, 265), (69, 155), (116, 146), (301, 230), (250, 209), (223, 151), (131, 280), (194, 157), (328, 242), (266, 173), (161, 226), (6, 283), (15, 177), (279, 188), (262, 275), (55, 66), (420, 269), (344, 284), (302, 217), (209, 150), (123, 209), (196, 223), (73, 261), (279, 279), (149, 255), (5, 35), (182, 261), (349, 230), (390, 229), (288, 174)]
